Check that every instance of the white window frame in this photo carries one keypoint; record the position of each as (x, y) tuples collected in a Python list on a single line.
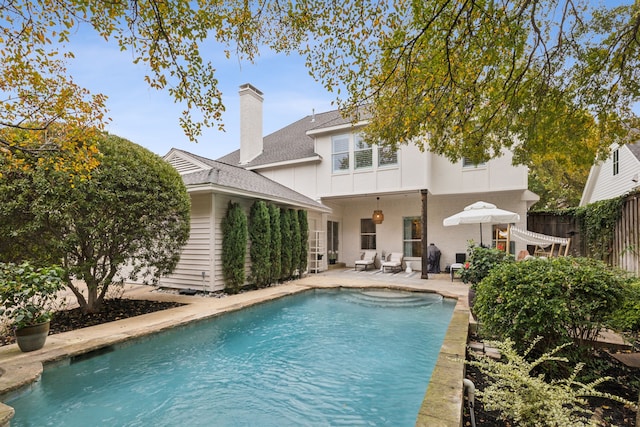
[(340, 153), (364, 234), (468, 164), (408, 241), (389, 151), (366, 147)]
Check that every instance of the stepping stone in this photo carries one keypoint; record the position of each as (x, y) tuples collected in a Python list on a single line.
[(632, 360)]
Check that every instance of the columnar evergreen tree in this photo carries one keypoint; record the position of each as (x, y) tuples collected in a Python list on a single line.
[(285, 230), (295, 242), (276, 243), (304, 240), (260, 238), (234, 247)]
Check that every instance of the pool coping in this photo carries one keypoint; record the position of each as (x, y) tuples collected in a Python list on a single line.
[(441, 406)]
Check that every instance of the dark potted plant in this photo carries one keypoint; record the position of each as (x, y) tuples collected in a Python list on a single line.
[(28, 299), (333, 256)]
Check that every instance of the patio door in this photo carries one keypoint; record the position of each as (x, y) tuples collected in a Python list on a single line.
[(333, 239)]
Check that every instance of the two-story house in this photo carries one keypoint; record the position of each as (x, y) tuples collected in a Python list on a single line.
[(324, 158)]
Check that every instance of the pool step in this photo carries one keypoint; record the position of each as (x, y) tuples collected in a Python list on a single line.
[(394, 299)]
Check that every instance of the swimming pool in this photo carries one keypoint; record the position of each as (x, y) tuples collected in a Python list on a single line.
[(335, 357)]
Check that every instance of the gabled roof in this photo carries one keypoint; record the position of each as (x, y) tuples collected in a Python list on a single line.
[(198, 171), (290, 143)]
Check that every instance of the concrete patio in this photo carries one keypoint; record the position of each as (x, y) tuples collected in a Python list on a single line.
[(442, 405)]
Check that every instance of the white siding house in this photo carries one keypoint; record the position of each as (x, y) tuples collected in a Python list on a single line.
[(211, 185), (323, 157), (615, 176)]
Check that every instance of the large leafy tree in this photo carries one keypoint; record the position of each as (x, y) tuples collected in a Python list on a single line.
[(130, 220), (168, 37), (457, 77), (472, 78)]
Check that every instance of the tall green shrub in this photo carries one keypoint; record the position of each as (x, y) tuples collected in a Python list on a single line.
[(234, 247), (287, 251), (132, 215), (260, 238), (559, 299), (295, 242), (626, 318), (304, 240), (276, 244)]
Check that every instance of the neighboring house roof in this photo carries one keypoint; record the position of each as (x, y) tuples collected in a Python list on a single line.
[(198, 171), (635, 149), (290, 143)]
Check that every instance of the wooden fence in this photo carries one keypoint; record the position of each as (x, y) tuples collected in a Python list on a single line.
[(626, 241)]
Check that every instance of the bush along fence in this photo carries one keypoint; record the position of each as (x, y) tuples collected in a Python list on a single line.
[(606, 230), (275, 240)]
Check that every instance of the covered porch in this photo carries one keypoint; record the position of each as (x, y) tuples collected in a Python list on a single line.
[(412, 220)]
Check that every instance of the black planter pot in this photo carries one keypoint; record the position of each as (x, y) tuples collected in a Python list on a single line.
[(32, 337)]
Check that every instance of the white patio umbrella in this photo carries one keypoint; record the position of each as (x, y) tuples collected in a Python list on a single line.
[(481, 213)]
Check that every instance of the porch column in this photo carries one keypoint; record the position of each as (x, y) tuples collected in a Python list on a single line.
[(423, 242)]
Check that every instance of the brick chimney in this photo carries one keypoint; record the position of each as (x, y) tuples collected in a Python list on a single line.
[(250, 123)]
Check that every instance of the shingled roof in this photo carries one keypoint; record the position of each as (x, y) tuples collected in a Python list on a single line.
[(291, 142), (635, 149), (240, 180)]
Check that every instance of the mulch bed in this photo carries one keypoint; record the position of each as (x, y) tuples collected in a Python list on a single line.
[(609, 413), (112, 309)]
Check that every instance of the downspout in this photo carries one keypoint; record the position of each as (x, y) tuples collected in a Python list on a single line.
[(471, 391)]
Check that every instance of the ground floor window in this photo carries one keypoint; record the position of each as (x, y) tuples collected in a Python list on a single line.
[(367, 234), (412, 236)]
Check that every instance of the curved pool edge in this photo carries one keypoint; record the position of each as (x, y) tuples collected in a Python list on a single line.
[(442, 404)]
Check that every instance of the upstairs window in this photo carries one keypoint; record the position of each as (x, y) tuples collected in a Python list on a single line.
[(616, 162), (362, 153), (467, 163), (387, 156), (340, 153)]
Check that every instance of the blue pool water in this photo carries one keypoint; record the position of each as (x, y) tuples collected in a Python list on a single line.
[(321, 358)]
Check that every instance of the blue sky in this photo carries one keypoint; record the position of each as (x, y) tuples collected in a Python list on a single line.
[(150, 117)]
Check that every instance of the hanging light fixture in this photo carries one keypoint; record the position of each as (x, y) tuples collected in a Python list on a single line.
[(377, 216)]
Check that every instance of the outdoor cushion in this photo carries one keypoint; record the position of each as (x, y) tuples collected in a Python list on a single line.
[(394, 261), (368, 258)]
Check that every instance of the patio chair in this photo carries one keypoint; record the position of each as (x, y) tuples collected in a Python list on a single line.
[(368, 258), (394, 262)]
